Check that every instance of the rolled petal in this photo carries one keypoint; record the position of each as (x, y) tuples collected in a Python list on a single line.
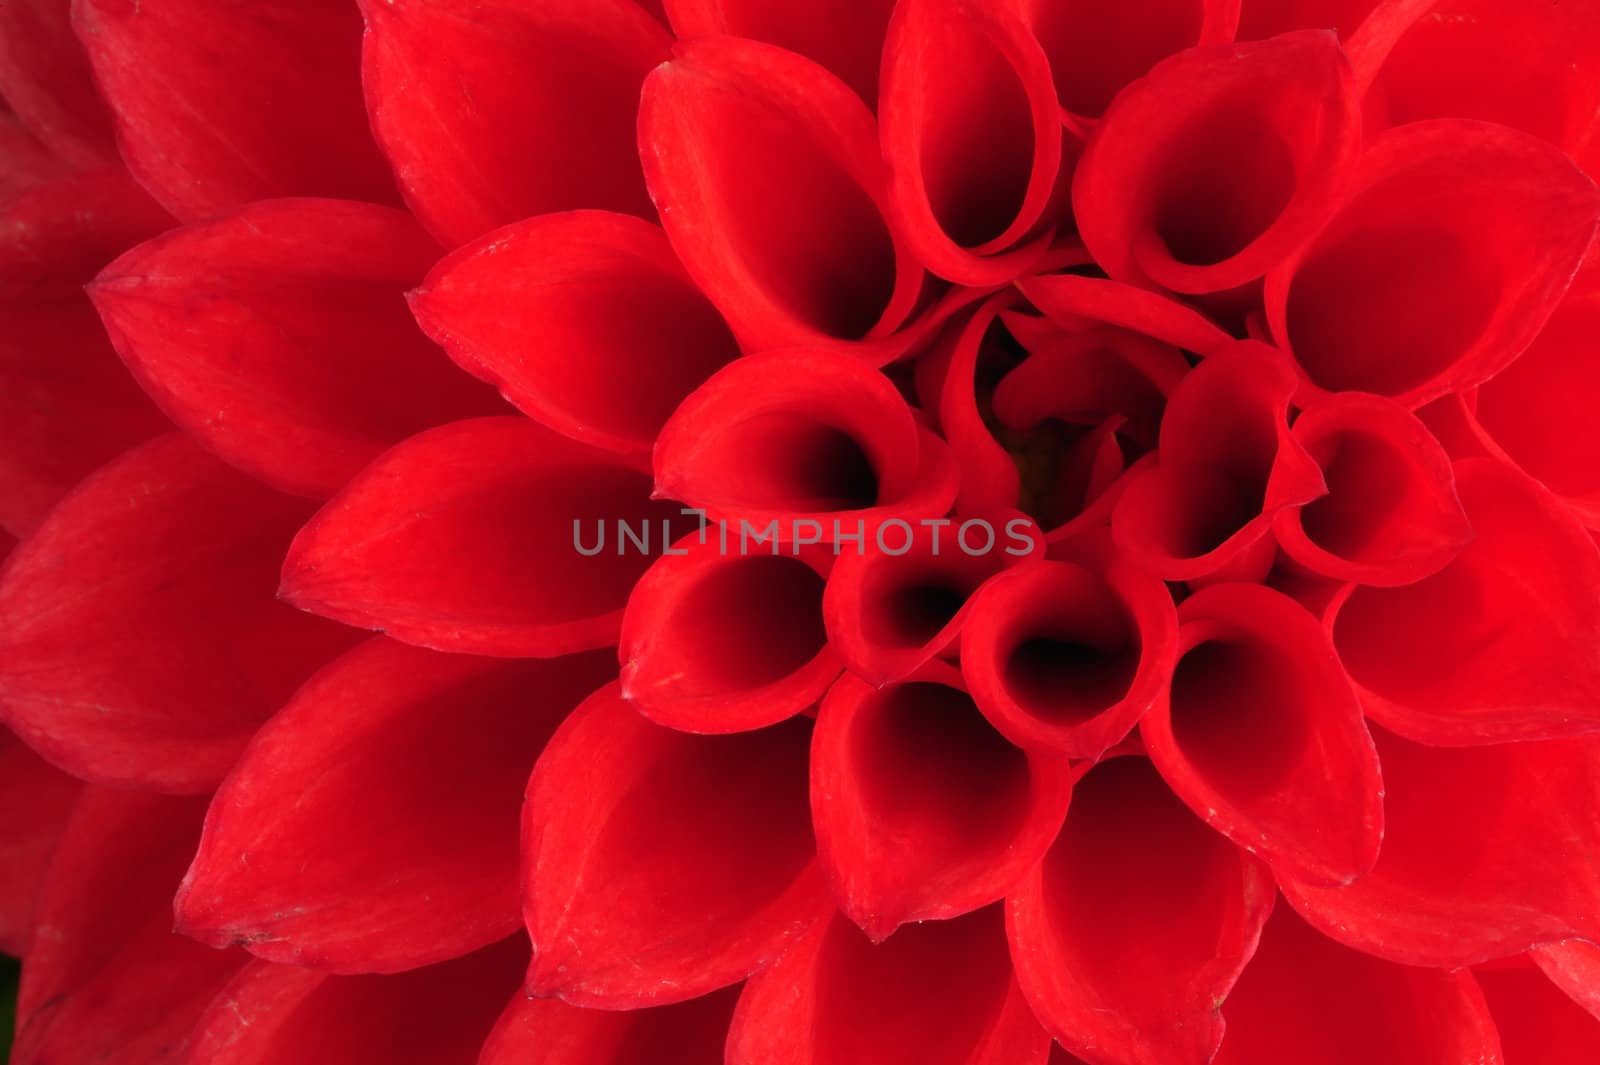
[(771, 186), (218, 104), (1488, 851), (1262, 736), (1067, 300), (439, 1015), (1306, 999), (326, 846), (67, 406), (45, 79), (107, 979), (1130, 934), (141, 644), (495, 110), (803, 437), (1391, 515), (1502, 644), (1574, 966), (1208, 171), (989, 477), (1067, 658), (923, 811), (36, 799), (545, 1031), (659, 866), (278, 337), (716, 639), (1454, 243), (1536, 1021), (937, 993), (584, 320), (475, 537), (1227, 465)]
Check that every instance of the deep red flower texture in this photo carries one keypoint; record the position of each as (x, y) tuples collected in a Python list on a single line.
[(800, 532)]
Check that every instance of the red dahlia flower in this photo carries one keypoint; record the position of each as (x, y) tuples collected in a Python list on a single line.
[(898, 532)]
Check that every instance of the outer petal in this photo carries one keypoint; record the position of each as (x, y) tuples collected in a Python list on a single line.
[(1262, 736), (495, 110), (278, 337), (1454, 243), (25, 163), (107, 979), (330, 844), (66, 404), (1206, 173), (271, 1014), (1308, 1000), (922, 810), (140, 642), (1574, 966), (1503, 644), (659, 866), (1488, 851), (221, 103), (474, 537), (546, 1031), (1537, 1023), (585, 321), (1132, 931), (768, 175), (35, 801), (938, 993), (44, 78)]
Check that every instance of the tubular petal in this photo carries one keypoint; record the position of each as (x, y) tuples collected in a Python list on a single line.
[(1574, 966), (1537, 1023), (140, 643), (1208, 171), (495, 110), (220, 103), (35, 801), (1308, 1000), (768, 175), (45, 79), (922, 810), (440, 1015), (1489, 851), (659, 866), (1261, 735), (1068, 659), (383, 794), (1391, 515), (584, 320), (1066, 299), (937, 993), (719, 640), (1454, 243), (989, 477), (1487, 659), (278, 337), (545, 1031), (1131, 932), (475, 537)]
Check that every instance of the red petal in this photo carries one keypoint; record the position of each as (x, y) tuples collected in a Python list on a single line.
[(1067, 299), (544, 1031), (1391, 515), (273, 1014), (585, 321), (1068, 659), (771, 186), (44, 78), (1206, 173), (1488, 851), (67, 405), (141, 643), (495, 110), (972, 134), (106, 978), (1227, 465), (25, 163), (1503, 644), (939, 993), (1130, 934), (220, 104), (35, 801), (1537, 1023), (1308, 1000), (659, 866), (989, 477), (1259, 19), (717, 640), (473, 537), (328, 846), (1574, 966), (1455, 242), (1263, 738), (923, 811), (279, 338)]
